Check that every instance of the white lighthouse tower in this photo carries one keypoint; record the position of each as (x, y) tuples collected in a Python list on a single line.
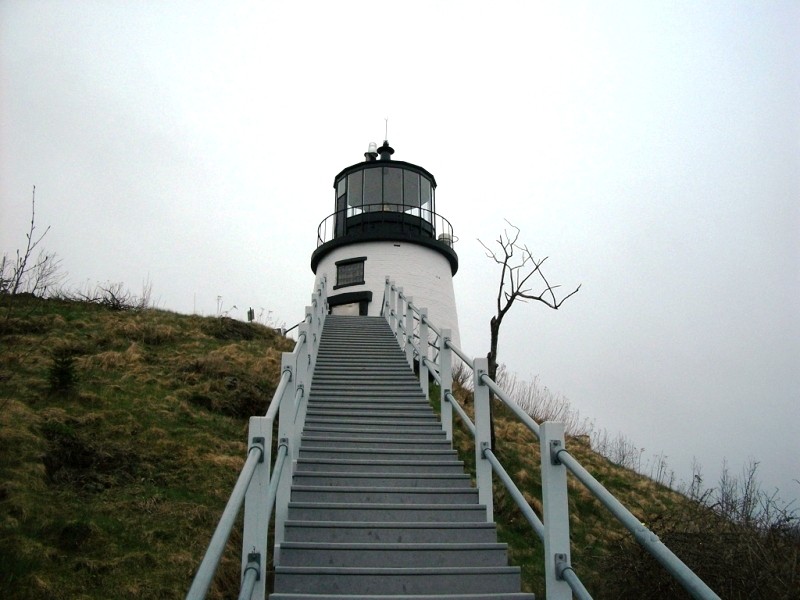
[(385, 224)]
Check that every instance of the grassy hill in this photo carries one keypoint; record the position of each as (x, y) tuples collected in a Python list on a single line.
[(122, 433), (121, 436)]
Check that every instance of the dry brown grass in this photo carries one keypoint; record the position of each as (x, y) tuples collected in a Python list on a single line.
[(112, 488)]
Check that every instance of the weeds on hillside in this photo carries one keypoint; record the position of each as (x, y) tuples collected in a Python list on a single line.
[(541, 403), (111, 295), (112, 474), (743, 542)]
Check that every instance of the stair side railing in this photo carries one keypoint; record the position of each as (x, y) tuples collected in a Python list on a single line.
[(263, 486), (561, 579)]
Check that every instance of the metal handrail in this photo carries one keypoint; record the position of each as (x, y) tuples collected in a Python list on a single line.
[(646, 538), (516, 494), (430, 325), (516, 408), (251, 575), (272, 409), (272, 490), (432, 370), (205, 573), (460, 353), (461, 413)]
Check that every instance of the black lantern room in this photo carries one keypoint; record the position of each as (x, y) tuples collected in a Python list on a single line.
[(382, 199)]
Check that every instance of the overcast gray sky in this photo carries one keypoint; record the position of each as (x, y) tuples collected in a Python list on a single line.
[(651, 150)]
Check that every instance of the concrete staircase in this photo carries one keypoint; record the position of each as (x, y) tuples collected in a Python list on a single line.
[(380, 504)]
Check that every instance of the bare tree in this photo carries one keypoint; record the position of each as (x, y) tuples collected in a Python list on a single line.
[(519, 272), (23, 273)]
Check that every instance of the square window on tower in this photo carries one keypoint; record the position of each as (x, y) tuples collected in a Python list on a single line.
[(350, 272)]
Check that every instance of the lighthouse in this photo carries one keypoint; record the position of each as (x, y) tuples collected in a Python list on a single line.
[(385, 224)]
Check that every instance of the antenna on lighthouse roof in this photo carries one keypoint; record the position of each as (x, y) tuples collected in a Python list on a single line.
[(386, 130)]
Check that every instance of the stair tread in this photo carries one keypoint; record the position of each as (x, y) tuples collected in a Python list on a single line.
[(411, 546), (414, 571), (391, 524), (486, 596)]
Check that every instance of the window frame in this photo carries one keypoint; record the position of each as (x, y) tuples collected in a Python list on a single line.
[(345, 263)]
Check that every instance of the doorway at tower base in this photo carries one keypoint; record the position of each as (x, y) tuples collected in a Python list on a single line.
[(346, 310)]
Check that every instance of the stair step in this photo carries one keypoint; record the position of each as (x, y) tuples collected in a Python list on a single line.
[(323, 465), (314, 440), (387, 581), (383, 412), (336, 375), (411, 533), (387, 495), (376, 423), (362, 479), (362, 395), (334, 430), (368, 397), (486, 596), (391, 513), (373, 403), (339, 358), (383, 454), (309, 554)]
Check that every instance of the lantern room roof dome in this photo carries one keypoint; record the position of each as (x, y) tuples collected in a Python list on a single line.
[(385, 152)]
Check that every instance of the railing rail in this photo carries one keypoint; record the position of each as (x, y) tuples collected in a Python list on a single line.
[(562, 582), (261, 486), (208, 567), (410, 219)]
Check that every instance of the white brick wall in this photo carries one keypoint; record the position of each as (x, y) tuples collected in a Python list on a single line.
[(423, 273)]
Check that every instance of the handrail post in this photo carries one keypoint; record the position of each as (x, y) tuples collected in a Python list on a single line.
[(409, 332), (555, 511), (423, 350), (393, 307), (323, 293), (316, 326), (483, 437), (400, 313), (320, 312), (386, 310), (446, 375), (310, 338), (303, 381), (285, 433), (254, 535)]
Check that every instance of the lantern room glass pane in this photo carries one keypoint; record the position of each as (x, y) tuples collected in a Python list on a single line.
[(340, 187), (392, 188), (410, 188), (372, 186), (425, 192), (354, 188)]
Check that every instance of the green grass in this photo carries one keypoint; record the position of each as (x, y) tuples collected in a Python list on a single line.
[(116, 461)]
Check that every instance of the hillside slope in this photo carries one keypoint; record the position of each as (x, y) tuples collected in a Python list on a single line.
[(122, 434)]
